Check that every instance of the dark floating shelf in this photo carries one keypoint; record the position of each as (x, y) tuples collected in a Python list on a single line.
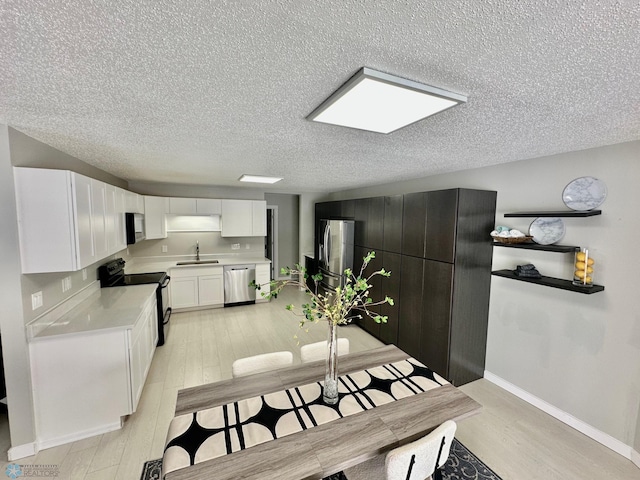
[(537, 246), (562, 213), (549, 282)]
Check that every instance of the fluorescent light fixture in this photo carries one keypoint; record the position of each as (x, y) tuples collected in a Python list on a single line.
[(259, 179), (382, 103)]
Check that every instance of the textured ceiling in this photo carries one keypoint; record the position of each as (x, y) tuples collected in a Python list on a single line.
[(200, 92)]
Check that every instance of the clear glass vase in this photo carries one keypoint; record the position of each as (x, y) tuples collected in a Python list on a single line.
[(330, 391), (583, 268)]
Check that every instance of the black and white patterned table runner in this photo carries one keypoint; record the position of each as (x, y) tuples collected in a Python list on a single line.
[(217, 431)]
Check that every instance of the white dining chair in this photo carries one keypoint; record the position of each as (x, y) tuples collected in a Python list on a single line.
[(318, 350), (261, 363), (417, 460)]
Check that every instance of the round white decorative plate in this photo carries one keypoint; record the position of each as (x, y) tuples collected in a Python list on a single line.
[(547, 230), (584, 193)]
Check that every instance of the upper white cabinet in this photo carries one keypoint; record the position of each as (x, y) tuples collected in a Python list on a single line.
[(54, 220), (208, 206), (99, 218), (121, 229), (182, 206), (194, 206), (66, 221), (53, 251), (259, 218), (155, 224), (134, 202), (111, 218), (244, 218)]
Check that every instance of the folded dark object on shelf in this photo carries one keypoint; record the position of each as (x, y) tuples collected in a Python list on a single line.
[(529, 271)]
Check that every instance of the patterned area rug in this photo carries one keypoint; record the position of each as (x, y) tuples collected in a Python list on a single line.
[(461, 465)]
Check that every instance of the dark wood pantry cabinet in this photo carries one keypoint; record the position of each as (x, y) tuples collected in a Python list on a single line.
[(437, 246)]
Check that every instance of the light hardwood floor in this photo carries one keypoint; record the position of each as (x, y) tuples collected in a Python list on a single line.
[(515, 439)]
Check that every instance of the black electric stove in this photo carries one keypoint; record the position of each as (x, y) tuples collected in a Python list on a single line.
[(111, 274)]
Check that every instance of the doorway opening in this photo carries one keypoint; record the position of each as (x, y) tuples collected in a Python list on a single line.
[(271, 240)]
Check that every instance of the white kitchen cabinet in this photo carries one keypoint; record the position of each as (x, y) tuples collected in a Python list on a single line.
[(263, 277), (184, 291), (86, 382), (244, 218), (155, 224), (111, 219), (134, 202), (99, 218), (144, 338), (197, 286), (194, 206), (208, 206), (54, 220), (211, 289), (259, 218), (182, 206), (80, 246), (121, 208)]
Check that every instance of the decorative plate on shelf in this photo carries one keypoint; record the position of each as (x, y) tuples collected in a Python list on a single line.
[(547, 230), (584, 193)]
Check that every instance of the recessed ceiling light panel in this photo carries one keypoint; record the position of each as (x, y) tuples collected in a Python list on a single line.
[(259, 179), (382, 103)]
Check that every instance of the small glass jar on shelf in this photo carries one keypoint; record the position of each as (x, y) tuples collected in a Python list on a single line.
[(583, 268)]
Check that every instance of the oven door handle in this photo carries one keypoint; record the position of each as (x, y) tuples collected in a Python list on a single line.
[(165, 284), (167, 316)]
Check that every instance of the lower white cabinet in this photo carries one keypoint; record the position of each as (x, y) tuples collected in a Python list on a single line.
[(211, 289), (263, 277), (184, 291), (85, 383), (142, 345), (197, 286)]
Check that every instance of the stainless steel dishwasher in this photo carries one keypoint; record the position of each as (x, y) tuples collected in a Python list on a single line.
[(236, 284)]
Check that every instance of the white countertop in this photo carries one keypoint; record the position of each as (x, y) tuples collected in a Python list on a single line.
[(107, 309), (165, 264)]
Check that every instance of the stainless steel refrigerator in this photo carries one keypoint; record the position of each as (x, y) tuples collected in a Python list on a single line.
[(335, 251)]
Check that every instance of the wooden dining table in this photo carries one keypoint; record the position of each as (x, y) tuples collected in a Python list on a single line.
[(325, 449)]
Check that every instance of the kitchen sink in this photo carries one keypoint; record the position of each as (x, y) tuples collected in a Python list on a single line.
[(197, 262)]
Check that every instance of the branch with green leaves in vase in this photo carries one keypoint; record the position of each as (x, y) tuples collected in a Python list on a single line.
[(349, 301), (339, 307)]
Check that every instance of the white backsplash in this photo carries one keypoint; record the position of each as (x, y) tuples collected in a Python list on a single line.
[(184, 243)]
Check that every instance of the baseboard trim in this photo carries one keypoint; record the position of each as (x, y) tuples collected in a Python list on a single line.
[(583, 427), (21, 451), (635, 457), (74, 437)]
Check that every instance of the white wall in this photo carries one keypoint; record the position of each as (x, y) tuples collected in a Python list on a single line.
[(580, 353), (15, 350), (288, 226), (196, 191), (29, 152), (184, 243), (307, 215)]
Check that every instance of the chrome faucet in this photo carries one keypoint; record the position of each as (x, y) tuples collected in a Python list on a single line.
[(197, 251)]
